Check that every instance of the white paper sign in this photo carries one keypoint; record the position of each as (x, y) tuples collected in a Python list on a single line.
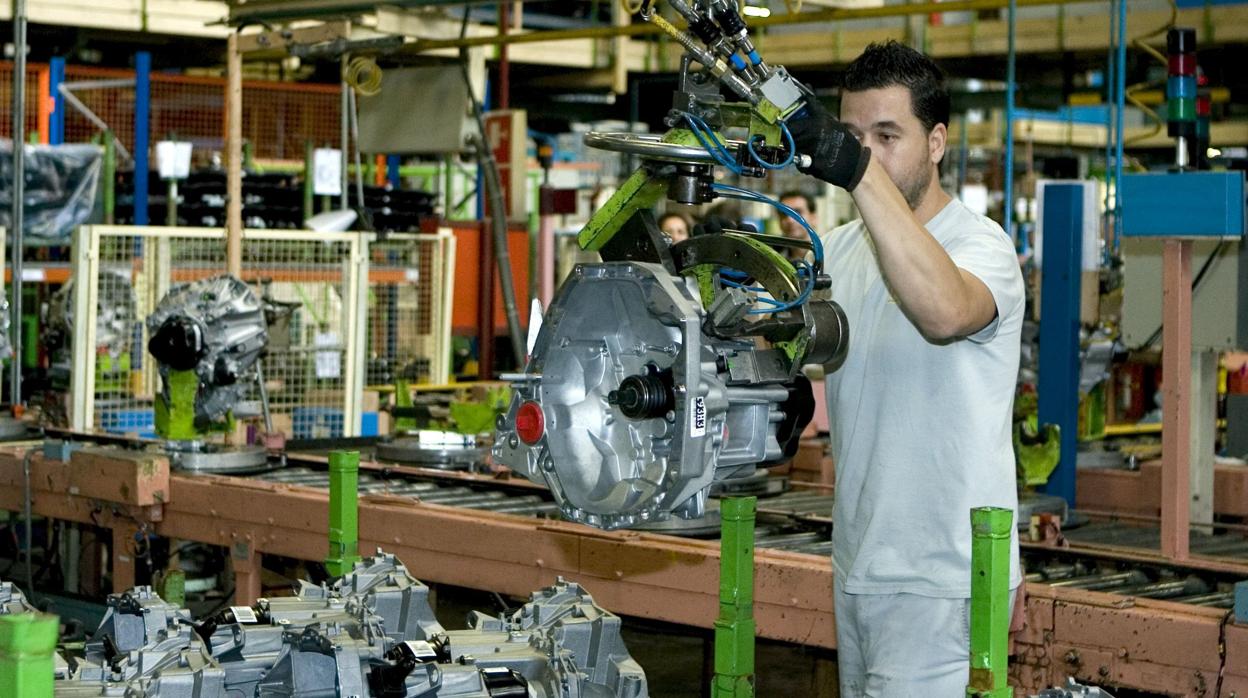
[(328, 363), (327, 172), (173, 159)]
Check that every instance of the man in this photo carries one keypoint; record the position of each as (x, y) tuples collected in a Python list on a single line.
[(920, 410), (804, 205)]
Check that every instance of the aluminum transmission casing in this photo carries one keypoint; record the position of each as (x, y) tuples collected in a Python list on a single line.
[(371, 632), (617, 320), (215, 327)]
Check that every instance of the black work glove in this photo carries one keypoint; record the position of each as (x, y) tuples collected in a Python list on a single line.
[(836, 156)]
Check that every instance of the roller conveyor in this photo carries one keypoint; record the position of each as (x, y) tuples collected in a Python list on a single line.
[(800, 522)]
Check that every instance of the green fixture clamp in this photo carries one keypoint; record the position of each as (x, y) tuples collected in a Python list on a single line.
[(734, 628), (175, 419), (27, 648), (990, 602), (344, 530)]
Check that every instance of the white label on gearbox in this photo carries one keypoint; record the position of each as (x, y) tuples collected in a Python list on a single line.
[(697, 426), (244, 614), (421, 649)]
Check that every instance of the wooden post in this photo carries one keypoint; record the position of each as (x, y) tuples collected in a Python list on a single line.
[(123, 556), (1176, 406), (246, 562), (234, 156)]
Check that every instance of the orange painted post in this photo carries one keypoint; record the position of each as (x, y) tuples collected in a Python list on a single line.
[(1176, 407), (379, 170), (45, 102)]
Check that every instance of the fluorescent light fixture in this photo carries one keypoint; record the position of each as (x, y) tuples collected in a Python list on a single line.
[(1213, 153), (753, 11)]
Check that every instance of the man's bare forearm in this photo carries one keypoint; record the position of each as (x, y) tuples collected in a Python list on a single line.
[(942, 300)]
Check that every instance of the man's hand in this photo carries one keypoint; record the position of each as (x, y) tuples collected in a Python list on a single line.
[(836, 156)]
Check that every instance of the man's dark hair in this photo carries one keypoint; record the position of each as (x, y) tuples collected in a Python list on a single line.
[(796, 193), (892, 63)]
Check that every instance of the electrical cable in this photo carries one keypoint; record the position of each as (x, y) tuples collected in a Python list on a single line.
[(792, 148), (498, 218), (796, 302), (702, 131), (747, 195), (816, 244), (1139, 43), (363, 74), (1222, 651)]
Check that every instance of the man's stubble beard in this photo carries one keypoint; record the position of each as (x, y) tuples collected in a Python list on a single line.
[(915, 183)]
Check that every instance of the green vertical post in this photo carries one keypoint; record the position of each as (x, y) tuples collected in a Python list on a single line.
[(109, 176), (30, 333), (308, 176), (403, 398), (344, 538), (27, 648), (990, 602), (734, 628), (448, 179)]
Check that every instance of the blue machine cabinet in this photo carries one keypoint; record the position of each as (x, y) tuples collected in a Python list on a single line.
[(1060, 276), (1183, 205)]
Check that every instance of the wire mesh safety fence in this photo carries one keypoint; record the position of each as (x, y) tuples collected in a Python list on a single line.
[(33, 71), (411, 286), (279, 119), (314, 284)]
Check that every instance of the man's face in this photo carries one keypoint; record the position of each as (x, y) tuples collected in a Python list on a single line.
[(884, 121), (790, 227)]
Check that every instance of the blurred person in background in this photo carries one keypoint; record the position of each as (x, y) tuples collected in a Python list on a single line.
[(675, 226)]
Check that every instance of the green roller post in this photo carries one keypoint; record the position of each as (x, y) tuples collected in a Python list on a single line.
[(990, 602), (734, 628), (344, 533), (27, 649)]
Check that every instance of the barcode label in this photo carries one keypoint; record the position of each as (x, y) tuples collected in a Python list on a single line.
[(421, 649)]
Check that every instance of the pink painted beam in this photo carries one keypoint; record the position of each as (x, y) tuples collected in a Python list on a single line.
[(1176, 408)]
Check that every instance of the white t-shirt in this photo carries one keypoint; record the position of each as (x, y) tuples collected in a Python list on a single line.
[(921, 432)]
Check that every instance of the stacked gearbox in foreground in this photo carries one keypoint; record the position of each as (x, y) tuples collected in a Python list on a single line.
[(370, 633)]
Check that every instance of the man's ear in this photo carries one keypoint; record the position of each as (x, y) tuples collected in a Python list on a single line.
[(936, 141)]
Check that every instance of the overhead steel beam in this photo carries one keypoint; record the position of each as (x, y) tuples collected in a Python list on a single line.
[(266, 11), (831, 15)]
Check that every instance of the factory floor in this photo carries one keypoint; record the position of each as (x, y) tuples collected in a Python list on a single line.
[(677, 659)]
